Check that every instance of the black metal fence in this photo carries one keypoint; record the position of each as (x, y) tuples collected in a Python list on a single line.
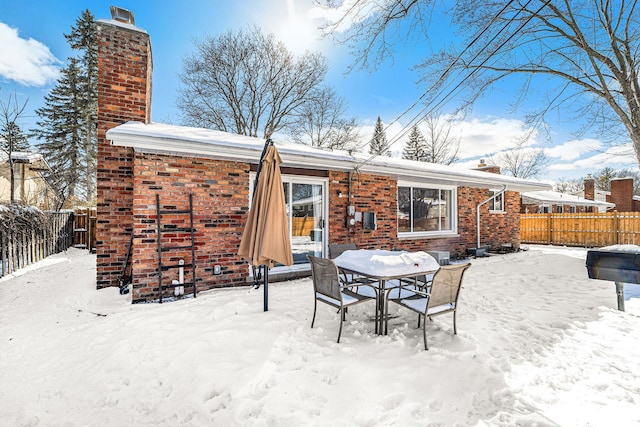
[(29, 235)]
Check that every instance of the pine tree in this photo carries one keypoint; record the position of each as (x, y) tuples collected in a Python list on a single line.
[(61, 128), (68, 120), (84, 38), (378, 143), (414, 148), (12, 140)]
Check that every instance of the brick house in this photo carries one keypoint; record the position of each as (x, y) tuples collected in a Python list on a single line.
[(621, 194), (555, 202), (395, 203)]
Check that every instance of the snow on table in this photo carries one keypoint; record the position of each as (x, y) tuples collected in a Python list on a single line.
[(380, 262)]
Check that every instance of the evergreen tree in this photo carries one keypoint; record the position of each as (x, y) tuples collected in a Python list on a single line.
[(61, 129), (414, 148), (84, 38), (12, 139), (67, 123), (378, 143)]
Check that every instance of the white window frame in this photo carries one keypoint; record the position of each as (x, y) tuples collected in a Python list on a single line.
[(454, 210), (559, 208), (544, 208), (573, 209), (299, 179), (492, 203)]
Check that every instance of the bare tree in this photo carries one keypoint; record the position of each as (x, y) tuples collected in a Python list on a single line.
[(247, 82), (522, 161), (569, 185), (587, 52), (440, 146), (322, 122), (604, 176), (12, 139)]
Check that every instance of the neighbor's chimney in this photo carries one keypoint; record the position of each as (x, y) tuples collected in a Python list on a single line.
[(589, 188), (124, 94), (482, 166), (622, 194)]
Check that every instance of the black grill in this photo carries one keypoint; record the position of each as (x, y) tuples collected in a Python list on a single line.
[(615, 265)]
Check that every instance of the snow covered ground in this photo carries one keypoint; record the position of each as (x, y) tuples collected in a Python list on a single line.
[(538, 344)]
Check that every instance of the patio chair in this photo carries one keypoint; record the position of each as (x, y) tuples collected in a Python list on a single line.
[(330, 289), (335, 250), (441, 298)]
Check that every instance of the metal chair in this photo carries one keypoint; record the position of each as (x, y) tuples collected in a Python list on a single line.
[(441, 298), (330, 289), (335, 250)]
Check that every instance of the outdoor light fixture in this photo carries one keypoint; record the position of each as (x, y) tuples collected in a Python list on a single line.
[(339, 193), (122, 15)]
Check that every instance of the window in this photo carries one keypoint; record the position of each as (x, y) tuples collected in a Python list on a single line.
[(497, 203), (425, 210), (560, 209), (572, 209), (544, 209)]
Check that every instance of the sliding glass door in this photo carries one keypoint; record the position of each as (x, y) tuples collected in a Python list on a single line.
[(306, 209)]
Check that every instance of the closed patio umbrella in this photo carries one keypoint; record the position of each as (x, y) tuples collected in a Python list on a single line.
[(265, 240)]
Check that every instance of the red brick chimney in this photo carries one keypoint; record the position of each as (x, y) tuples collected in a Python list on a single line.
[(482, 166), (124, 94), (589, 188), (622, 194)]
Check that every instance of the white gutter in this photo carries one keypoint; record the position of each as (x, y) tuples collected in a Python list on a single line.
[(504, 188)]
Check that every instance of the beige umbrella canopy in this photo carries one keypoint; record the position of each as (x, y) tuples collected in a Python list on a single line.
[(265, 240)]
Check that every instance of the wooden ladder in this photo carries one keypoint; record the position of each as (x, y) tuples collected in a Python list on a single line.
[(173, 229)]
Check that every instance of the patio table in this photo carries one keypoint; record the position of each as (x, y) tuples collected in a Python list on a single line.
[(383, 267)]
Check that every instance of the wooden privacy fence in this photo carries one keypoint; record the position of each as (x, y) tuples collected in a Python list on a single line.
[(581, 229), (27, 236)]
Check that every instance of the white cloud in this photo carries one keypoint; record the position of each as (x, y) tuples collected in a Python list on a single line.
[(618, 157), (478, 138), (484, 138), (25, 61), (573, 149)]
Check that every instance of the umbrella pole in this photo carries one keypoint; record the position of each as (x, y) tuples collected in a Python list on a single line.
[(266, 286)]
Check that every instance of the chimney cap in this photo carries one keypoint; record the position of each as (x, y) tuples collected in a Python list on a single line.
[(122, 15)]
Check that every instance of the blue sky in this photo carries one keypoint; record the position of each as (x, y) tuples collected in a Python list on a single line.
[(32, 48)]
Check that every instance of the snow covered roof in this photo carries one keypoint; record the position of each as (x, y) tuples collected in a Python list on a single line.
[(34, 160), (180, 141), (555, 198)]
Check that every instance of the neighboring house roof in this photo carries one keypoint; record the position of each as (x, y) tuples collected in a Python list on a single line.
[(555, 198), (599, 194), (180, 140), (34, 160)]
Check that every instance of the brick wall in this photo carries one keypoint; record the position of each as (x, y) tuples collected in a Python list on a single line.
[(124, 94), (622, 194), (371, 193), (590, 188), (220, 203)]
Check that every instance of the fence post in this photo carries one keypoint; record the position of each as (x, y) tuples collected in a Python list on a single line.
[(550, 222), (616, 228)]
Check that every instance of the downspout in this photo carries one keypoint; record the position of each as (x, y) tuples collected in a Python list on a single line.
[(504, 189)]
